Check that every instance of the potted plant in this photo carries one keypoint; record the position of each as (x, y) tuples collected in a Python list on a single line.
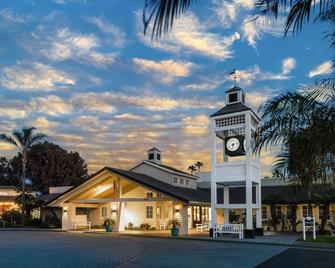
[(175, 230), (108, 223)]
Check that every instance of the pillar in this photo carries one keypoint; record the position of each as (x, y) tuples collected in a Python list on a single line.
[(184, 218), (213, 175), (226, 202), (69, 211), (248, 179)]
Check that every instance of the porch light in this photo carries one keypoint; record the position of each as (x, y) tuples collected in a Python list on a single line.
[(65, 210), (113, 210), (177, 210)]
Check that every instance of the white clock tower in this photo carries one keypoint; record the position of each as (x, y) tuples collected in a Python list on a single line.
[(233, 162)]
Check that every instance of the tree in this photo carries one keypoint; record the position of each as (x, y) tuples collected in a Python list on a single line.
[(199, 164), (325, 200), (302, 124), (192, 168), (50, 165), (23, 140), (273, 201)]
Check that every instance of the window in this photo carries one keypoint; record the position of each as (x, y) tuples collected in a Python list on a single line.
[(103, 212), (150, 212), (278, 211), (304, 211), (321, 211), (150, 194), (158, 157), (175, 180), (290, 212), (151, 156), (81, 211), (233, 97), (264, 213), (181, 181), (187, 182), (243, 98)]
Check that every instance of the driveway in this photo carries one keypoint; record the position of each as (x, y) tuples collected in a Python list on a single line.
[(56, 249)]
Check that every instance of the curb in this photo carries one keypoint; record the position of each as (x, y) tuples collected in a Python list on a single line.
[(30, 230), (315, 247)]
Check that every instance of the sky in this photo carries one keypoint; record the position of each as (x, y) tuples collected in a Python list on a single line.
[(82, 72)]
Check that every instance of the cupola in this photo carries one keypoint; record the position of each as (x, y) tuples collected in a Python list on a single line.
[(235, 95), (154, 155)]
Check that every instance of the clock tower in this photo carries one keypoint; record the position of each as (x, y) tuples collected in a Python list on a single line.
[(234, 164)]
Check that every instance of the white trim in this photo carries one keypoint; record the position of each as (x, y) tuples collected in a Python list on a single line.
[(162, 168)]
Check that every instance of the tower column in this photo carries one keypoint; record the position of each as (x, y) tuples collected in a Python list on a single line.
[(213, 175), (226, 202)]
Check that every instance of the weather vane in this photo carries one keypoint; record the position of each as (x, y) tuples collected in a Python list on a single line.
[(234, 76)]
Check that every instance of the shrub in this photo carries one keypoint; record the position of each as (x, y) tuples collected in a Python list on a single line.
[(12, 217), (145, 227), (52, 221), (109, 222)]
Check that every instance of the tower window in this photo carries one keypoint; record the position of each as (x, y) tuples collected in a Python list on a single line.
[(158, 157), (151, 156), (233, 97), (243, 98)]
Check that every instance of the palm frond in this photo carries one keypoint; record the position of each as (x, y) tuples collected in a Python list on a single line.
[(36, 138), (162, 14), (8, 139), (27, 133)]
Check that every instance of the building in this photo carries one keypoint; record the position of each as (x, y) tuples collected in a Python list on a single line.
[(8, 196), (148, 193)]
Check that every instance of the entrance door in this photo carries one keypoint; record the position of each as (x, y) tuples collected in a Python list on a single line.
[(200, 214)]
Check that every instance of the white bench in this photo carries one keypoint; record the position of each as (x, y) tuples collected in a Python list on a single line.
[(163, 224), (81, 223), (204, 226), (228, 229)]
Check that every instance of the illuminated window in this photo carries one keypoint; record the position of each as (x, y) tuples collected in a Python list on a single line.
[(264, 213), (304, 211), (150, 212), (103, 212)]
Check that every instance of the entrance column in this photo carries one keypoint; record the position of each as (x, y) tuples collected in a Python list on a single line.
[(226, 202), (259, 227), (184, 218)]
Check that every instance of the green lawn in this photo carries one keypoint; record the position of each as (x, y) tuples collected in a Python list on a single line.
[(321, 239)]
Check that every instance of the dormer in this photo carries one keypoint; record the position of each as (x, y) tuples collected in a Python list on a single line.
[(235, 95), (154, 155)]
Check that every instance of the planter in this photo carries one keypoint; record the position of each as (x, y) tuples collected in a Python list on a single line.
[(175, 231), (109, 228)]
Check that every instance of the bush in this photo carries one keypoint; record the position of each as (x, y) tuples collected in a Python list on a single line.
[(52, 221), (12, 217)]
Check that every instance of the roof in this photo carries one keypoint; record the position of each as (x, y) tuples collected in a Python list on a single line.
[(7, 198), (232, 108), (173, 169), (46, 198), (186, 195), (234, 88), (154, 149), (7, 187)]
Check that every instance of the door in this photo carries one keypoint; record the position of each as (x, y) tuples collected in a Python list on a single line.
[(200, 214)]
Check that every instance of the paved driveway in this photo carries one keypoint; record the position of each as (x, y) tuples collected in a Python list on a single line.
[(51, 249)]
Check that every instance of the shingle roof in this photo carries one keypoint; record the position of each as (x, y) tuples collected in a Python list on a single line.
[(231, 108), (186, 195), (234, 88), (172, 169), (154, 149)]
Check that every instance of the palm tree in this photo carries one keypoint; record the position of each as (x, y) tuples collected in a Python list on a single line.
[(23, 140), (192, 168), (325, 200), (302, 123), (163, 13), (199, 164), (273, 200)]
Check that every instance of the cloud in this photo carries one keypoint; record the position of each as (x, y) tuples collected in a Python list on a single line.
[(288, 64), (34, 76), (9, 17), (201, 86), (167, 70), (253, 29), (322, 69), (196, 125), (114, 35), (189, 35), (83, 48), (44, 123), (51, 105), (12, 112), (129, 116), (92, 102)]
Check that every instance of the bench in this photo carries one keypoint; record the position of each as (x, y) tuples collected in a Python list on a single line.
[(163, 224), (81, 223), (228, 229), (204, 226)]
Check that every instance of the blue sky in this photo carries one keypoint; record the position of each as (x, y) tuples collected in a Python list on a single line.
[(83, 73)]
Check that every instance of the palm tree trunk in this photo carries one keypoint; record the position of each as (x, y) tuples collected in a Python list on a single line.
[(23, 188), (324, 218), (273, 217)]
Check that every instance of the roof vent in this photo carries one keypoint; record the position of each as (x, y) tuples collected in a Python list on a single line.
[(154, 155)]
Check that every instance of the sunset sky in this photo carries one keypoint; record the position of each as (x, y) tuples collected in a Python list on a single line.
[(82, 72)]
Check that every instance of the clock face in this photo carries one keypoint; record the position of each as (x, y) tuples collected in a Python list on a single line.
[(233, 144)]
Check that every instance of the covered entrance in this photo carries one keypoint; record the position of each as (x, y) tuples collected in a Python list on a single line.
[(200, 214)]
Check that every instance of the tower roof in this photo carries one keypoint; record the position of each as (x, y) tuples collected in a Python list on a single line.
[(154, 149), (231, 108), (234, 88)]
